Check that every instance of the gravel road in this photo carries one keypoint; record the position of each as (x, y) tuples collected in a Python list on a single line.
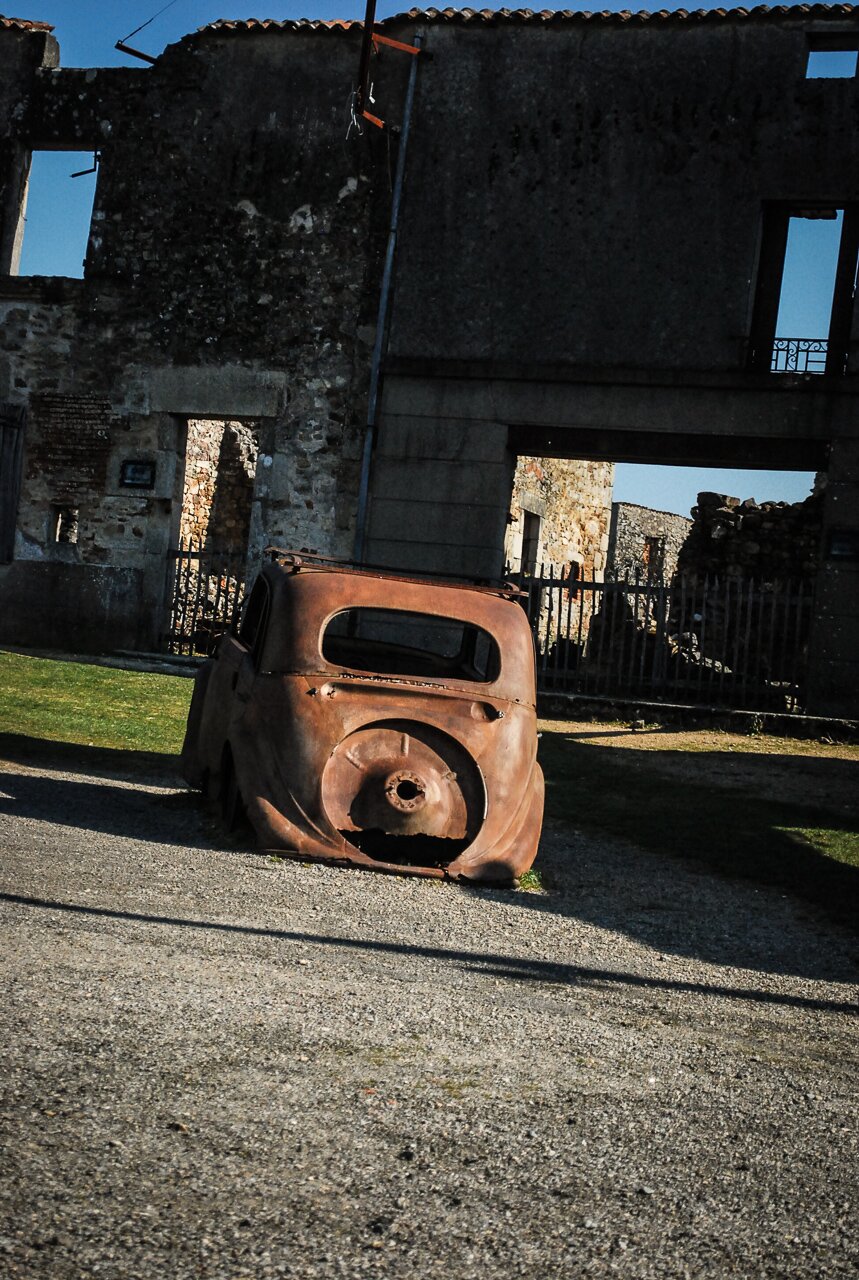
[(216, 1065)]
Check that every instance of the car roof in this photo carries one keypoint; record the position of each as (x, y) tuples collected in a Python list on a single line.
[(311, 562)]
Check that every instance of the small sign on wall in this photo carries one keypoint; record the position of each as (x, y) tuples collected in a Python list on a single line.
[(137, 475), (843, 545)]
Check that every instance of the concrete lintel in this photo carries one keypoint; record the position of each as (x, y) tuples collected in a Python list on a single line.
[(216, 391), (773, 411)]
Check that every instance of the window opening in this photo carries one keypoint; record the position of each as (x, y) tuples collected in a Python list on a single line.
[(806, 286), (57, 213), (65, 525), (397, 642), (256, 609), (831, 64), (530, 541)]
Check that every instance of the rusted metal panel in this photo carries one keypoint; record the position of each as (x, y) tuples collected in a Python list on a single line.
[(354, 733)]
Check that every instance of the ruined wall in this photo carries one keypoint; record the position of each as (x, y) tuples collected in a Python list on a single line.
[(775, 542), (573, 502), (645, 541), (231, 274)]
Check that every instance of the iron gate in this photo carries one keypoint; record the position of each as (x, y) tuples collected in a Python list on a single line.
[(205, 590), (707, 641)]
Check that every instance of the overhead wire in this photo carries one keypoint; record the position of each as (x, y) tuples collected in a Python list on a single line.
[(163, 9)]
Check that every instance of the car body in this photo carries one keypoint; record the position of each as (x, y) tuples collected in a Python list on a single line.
[(373, 719)]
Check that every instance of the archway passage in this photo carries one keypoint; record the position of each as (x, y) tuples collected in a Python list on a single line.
[(712, 607), (441, 501)]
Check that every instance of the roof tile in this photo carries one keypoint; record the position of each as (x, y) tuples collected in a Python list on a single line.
[(24, 24), (499, 17)]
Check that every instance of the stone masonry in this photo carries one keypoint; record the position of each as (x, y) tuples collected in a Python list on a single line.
[(645, 541), (770, 542), (572, 501)]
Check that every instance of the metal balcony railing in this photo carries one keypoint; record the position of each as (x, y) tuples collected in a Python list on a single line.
[(799, 355)]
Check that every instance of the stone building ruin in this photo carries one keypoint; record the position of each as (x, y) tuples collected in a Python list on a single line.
[(236, 262), (645, 542), (559, 518)]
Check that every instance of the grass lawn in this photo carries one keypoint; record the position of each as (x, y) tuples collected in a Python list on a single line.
[(95, 706)]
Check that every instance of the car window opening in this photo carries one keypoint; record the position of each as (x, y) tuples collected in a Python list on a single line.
[(396, 642)]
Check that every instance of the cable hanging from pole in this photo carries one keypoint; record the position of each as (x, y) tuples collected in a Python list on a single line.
[(123, 45)]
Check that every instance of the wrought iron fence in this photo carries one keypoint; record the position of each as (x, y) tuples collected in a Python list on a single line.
[(799, 355), (205, 590), (713, 642)]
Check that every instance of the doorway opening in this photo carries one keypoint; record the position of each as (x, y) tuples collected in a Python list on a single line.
[(705, 595), (208, 567)]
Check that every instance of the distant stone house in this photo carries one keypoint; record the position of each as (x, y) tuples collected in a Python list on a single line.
[(645, 542)]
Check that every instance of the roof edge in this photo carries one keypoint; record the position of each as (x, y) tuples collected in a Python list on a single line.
[(24, 24), (543, 17)]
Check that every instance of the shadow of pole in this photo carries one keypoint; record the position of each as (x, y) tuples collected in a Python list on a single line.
[(511, 967)]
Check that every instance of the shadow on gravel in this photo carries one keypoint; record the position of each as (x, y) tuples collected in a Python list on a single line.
[(510, 967), (101, 806), (635, 852), (748, 817), (99, 762)]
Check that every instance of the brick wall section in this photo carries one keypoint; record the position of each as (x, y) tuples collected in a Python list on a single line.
[(573, 501), (68, 451), (631, 542)]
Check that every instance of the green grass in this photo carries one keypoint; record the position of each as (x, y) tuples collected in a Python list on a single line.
[(95, 706), (531, 881), (622, 793), (810, 849), (843, 846)]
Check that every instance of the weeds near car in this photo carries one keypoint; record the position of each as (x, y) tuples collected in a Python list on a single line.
[(531, 881)]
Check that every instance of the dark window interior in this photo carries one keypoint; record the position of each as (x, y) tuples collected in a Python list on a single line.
[(396, 642), (252, 626)]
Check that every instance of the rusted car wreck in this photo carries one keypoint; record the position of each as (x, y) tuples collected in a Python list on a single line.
[(367, 718)]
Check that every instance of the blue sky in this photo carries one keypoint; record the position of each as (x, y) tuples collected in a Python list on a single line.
[(88, 30)]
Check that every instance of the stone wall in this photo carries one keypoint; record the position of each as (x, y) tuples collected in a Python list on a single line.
[(231, 275), (645, 541), (770, 542), (572, 500)]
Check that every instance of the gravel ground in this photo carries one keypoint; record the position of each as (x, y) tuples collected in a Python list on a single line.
[(215, 1065)]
